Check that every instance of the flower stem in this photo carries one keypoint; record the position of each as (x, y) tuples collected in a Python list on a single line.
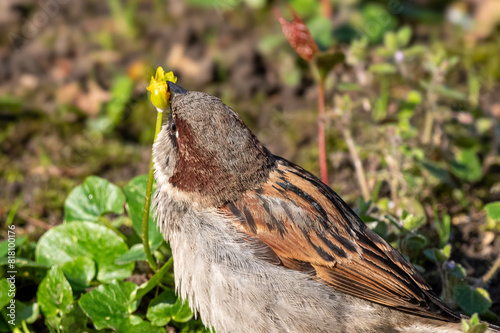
[(154, 281), (326, 8), (147, 202), (321, 131), (486, 277)]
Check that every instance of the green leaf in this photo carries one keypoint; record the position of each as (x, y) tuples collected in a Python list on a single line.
[(23, 262), (321, 30), (305, 7), (414, 50), (193, 326), (472, 300), (467, 166), (458, 271), (384, 52), (26, 312), (414, 97), (5, 291), (403, 36), (54, 293), (110, 305), (431, 254), (75, 321), (493, 210), (417, 241), (437, 171), (473, 325), (450, 93), (412, 222), (381, 229), (168, 307), (94, 198), (390, 41), (135, 253), (53, 323), (445, 252), (135, 192), (66, 242), (135, 324), (79, 272), (348, 86), (443, 229), (4, 246), (376, 21), (438, 255), (383, 68)]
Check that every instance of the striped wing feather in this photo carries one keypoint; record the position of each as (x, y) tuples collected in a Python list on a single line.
[(309, 228)]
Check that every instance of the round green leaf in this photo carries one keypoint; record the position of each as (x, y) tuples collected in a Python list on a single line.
[(111, 305), (458, 271), (417, 241), (472, 300), (66, 242), (168, 307), (94, 198), (493, 210), (4, 293), (54, 293), (135, 192), (27, 312), (79, 272)]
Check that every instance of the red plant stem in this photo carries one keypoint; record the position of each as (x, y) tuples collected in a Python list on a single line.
[(326, 8), (321, 132)]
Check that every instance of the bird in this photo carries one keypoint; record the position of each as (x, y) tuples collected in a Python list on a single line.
[(261, 245)]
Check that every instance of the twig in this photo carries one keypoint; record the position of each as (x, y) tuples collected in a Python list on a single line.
[(492, 155), (490, 273), (358, 166), (431, 108), (321, 132), (32, 220), (393, 182)]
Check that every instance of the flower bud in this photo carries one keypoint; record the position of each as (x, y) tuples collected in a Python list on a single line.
[(160, 96)]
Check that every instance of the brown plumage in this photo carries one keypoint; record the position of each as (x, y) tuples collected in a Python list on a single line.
[(309, 227)]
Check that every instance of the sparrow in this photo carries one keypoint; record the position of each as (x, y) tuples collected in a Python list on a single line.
[(261, 245)]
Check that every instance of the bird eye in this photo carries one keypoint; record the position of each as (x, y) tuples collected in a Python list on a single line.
[(173, 128)]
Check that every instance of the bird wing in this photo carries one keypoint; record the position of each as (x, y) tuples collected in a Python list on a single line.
[(309, 228)]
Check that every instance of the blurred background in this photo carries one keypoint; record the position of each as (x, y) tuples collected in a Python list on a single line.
[(412, 110)]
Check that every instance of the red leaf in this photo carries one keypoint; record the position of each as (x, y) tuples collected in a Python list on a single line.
[(299, 36)]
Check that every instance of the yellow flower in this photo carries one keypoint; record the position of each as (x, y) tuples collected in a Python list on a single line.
[(160, 97)]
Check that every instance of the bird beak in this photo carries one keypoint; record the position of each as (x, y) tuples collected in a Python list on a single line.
[(175, 90)]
